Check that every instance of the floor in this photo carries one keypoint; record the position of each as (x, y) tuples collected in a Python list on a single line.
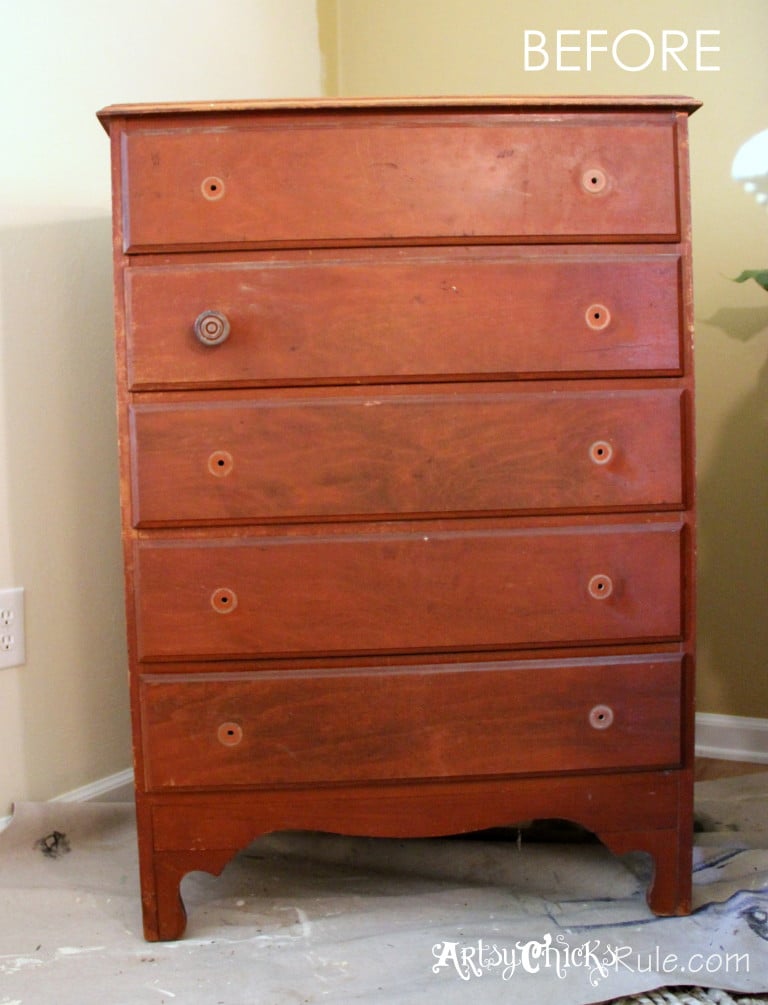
[(344, 922), (707, 769)]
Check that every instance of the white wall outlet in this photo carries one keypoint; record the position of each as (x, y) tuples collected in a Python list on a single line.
[(12, 648)]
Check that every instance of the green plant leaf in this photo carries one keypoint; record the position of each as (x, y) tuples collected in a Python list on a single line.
[(759, 275)]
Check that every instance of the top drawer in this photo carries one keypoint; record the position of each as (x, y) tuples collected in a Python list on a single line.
[(327, 178)]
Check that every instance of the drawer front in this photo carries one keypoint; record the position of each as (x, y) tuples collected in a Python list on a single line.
[(435, 450), (408, 588), (403, 316), (427, 722), (313, 179)]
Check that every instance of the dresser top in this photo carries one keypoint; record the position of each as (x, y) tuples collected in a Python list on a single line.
[(526, 103)]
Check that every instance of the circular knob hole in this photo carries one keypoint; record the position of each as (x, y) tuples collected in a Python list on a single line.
[(600, 452), (598, 317), (220, 463), (594, 180), (212, 188), (223, 600), (230, 734), (211, 327), (600, 587), (601, 717)]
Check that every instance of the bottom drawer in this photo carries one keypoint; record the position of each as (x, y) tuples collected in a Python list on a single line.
[(224, 730)]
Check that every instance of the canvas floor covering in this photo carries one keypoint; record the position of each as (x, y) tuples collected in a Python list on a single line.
[(309, 918)]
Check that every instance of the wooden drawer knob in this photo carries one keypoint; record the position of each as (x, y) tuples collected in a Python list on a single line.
[(223, 600), (600, 587), (211, 328), (229, 734), (600, 452), (597, 317), (601, 717)]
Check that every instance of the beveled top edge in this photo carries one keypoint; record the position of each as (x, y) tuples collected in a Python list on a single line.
[(527, 102)]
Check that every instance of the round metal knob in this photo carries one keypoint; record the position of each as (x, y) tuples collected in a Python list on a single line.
[(211, 328), (601, 717), (600, 587)]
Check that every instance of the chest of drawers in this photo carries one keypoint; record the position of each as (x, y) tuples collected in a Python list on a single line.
[(405, 403)]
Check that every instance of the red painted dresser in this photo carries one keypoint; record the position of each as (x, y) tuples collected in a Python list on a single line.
[(405, 403)]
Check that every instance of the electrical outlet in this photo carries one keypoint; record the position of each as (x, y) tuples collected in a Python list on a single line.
[(12, 649)]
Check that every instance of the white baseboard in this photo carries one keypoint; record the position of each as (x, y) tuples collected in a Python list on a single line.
[(732, 737), (112, 789)]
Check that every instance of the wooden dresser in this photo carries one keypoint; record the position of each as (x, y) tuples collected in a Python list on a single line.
[(405, 403)]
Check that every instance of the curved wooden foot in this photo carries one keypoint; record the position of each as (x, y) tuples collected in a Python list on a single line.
[(165, 917), (636, 811), (670, 890)]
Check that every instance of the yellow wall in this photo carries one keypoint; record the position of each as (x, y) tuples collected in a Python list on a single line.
[(64, 716), (399, 47)]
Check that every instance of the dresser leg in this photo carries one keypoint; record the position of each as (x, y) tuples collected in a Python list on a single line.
[(165, 917), (670, 889)]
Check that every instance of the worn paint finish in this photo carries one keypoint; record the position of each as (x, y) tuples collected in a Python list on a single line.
[(447, 437)]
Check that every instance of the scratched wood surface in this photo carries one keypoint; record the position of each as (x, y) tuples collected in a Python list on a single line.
[(410, 548), (425, 313), (310, 179)]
